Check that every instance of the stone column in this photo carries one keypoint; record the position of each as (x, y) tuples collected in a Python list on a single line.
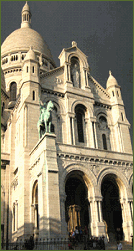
[(73, 118), (70, 129), (90, 139), (94, 134), (123, 211), (67, 72), (87, 136), (85, 74), (96, 222), (63, 221), (96, 141), (127, 219), (100, 210), (120, 139)]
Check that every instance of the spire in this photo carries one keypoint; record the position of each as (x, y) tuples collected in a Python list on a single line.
[(26, 16), (110, 73)]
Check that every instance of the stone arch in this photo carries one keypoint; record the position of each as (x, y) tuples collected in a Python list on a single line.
[(89, 177), (34, 208), (131, 179), (121, 180), (103, 130), (114, 189), (75, 71), (80, 102), (103, 112), (131, 184), (57, 102), (9, 84), (34, 187), (13, 91), (77, 187), (80, 57)]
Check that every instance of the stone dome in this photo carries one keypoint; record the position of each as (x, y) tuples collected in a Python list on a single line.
[(30, 55), (111, 81), (22, 39)]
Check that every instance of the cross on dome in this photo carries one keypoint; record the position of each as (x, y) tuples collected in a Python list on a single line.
[(110, 73)]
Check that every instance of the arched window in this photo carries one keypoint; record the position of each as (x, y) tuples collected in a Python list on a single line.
[(33, 69), (75, 72), (33, 95), (122, 116), (102, 122), (80, 114), (35, 205), (27, 68), (113, 93), (13, 90), (104, 141)]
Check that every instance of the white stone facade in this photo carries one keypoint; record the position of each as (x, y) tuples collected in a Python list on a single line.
[(90, 143)]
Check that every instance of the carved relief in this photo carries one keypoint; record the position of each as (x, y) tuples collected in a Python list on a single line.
[(127, 171), (95, 169), (14, 183)]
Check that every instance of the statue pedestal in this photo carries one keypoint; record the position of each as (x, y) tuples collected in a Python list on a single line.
[(46, 172)]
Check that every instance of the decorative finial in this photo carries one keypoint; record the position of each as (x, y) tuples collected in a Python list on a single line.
[(26, 16), (74, 43), (110, 73)]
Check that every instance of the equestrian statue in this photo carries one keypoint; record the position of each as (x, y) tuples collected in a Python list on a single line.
[(45, 118)]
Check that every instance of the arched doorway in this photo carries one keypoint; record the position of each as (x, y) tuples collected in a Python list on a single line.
[(76, 205), (111, 207)]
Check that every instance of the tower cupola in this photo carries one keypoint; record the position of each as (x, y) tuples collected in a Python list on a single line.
[(26, 16), (111, 81), (114, 89)]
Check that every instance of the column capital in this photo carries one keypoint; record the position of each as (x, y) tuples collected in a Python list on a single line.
[(67, 63), (71, 114)]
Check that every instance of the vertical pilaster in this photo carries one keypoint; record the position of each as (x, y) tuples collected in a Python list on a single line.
[(73, 118), (95, 135), (63, 221)]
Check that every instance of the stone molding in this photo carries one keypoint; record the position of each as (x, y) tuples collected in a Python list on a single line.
[(55, 93), (35, 163), (102, 105), (94, 160)]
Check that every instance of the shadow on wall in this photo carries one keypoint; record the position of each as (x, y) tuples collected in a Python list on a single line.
[(24, 232)]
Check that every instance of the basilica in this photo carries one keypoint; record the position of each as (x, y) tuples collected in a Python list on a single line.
[(73, 169)]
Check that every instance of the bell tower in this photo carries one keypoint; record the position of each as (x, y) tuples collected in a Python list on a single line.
[(121, 124)]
